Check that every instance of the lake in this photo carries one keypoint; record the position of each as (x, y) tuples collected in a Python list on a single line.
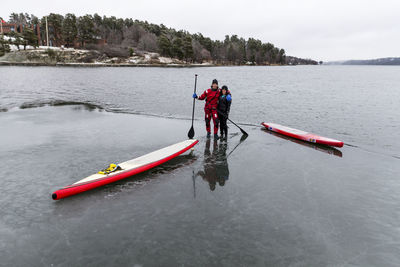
[(260, 201)]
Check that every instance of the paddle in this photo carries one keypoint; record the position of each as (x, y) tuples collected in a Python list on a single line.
[(191, 131), (241, 140), (243, 131)]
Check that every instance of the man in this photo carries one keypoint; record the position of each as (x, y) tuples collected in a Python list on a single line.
[(211, 97)]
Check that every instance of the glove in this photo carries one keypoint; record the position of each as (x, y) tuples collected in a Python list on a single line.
[(194, 95), (228, 98)]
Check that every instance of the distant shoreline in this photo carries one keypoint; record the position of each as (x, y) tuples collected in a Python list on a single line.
[(387, 61)]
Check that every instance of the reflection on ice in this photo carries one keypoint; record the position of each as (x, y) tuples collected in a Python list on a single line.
[(322, 148), (215, 166)]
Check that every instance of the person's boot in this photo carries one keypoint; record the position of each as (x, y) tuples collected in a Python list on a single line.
[(216, 136), (208, 135)]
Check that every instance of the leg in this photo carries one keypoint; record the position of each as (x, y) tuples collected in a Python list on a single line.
[(208, 124), (223, 126), (215, 121)]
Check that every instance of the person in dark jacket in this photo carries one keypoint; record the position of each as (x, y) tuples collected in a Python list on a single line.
[(224, 106)]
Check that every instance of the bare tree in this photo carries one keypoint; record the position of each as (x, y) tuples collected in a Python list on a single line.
[(148, 42)]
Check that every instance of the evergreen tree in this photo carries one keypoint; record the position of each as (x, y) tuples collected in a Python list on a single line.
[(55, 22), (4, 46), (177, 45), (18, 40), (86, 30), (164, 45), (188, 49), (30, 38), (282, 56), (69, 29)]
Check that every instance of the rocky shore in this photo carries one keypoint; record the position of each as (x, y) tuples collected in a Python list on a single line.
[(55, 56)]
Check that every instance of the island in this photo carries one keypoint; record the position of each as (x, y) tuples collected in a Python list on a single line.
[(94, 40)]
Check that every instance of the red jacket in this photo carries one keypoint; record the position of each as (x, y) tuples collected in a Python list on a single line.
[(211, 98)]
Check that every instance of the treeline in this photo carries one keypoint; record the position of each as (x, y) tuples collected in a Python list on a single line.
[(124, 36)]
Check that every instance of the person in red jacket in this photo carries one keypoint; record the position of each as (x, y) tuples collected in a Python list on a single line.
[(211, 97)]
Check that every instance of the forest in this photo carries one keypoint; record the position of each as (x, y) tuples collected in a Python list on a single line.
[(123, 37)]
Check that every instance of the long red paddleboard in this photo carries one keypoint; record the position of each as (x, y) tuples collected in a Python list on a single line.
[(128, 168), (302, 135)]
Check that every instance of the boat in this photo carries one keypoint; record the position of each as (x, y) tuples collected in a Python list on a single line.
[(116, 172)]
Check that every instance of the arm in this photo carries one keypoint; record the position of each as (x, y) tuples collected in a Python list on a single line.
[(228, 103), (228, 106), (203, 96)]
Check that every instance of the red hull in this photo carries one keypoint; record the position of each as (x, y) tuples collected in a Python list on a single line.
[(298, 134), (82, 187)]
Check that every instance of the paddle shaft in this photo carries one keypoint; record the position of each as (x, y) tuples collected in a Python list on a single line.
[(194, 100), (243, 131)]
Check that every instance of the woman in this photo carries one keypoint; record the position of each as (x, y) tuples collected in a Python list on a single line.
[(224, 106)]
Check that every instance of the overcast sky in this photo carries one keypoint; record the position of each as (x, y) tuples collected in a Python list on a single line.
[(318, 29)]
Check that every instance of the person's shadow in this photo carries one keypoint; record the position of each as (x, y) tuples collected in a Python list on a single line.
[(216, 169)]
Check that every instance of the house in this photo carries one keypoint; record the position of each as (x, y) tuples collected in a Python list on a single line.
[(7, 28)]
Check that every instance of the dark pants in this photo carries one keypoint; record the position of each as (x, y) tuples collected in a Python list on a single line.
[(223, 125)]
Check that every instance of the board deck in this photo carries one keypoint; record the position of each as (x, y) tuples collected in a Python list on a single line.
[(128, 168), (302, 135)]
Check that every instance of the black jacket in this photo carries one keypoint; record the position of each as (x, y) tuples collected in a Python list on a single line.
[(224, 105)]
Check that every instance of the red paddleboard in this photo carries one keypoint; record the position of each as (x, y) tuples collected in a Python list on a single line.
[(127, 169), (302, 135)]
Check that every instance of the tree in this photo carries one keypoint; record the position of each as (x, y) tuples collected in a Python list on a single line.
[(34, 20), (55, 22), (177, 46), (30, 38), (282, 56), (4, 46), (274, 54), (148, 42), (188, 49), (20, 18), (69, 29), (164, 45), (86, 31), (17, 40), (199, 52)]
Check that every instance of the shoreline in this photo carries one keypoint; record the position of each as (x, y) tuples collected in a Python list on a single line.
[(69, 57), (61, 64), (155, 65)]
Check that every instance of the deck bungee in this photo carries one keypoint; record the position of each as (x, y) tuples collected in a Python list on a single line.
[(302, 135), (126, 169)]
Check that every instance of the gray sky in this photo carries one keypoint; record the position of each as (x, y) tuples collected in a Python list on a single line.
[(317, 29)]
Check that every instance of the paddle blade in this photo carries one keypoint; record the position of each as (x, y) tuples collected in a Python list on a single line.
[(243, 132), (191, 133), (244, 136)]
